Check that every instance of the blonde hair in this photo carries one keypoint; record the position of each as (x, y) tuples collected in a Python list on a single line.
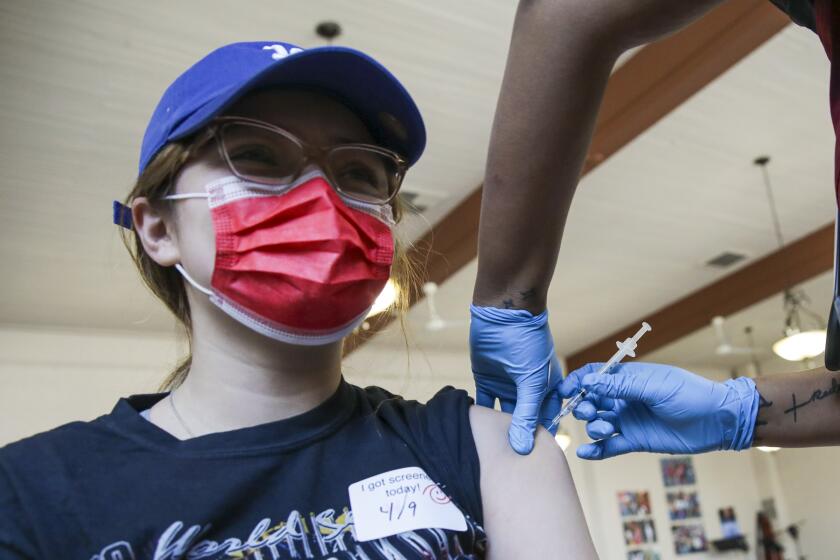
[(157, 181)]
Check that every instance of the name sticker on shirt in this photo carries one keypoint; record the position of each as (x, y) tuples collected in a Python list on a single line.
[(401, 500)]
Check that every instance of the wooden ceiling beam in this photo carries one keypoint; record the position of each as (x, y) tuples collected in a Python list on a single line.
[(791, 265), (651, 84)]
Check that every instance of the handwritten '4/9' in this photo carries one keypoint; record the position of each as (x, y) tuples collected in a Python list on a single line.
[(393, 513)]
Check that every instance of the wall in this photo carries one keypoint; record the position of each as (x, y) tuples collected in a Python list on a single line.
[(723, 479), (809, 478), (49, 377)]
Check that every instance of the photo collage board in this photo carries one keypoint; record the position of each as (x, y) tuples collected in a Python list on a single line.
[(684, 505), (637, 525)]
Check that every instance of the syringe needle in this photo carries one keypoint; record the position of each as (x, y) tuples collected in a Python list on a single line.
[(626, 348), (568, 407)]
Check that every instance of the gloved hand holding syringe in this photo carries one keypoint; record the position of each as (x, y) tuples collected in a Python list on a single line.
[(626, 348)]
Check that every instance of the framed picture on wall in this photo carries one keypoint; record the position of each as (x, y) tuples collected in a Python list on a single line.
[(638, 532), (689, 539), (678, 472), (633, 503), (683, 505), (728, 523), (643, 555)]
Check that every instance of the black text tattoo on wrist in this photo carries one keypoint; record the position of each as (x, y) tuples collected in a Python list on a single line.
[(762, 403), (817, 395)]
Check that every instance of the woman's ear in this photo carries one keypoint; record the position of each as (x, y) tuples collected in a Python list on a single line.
[(156, 232)]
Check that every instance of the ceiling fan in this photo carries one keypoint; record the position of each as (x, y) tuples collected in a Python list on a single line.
[(724, 347), (435, 321)]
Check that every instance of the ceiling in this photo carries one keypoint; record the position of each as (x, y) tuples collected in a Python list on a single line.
[(81, 79), (644, 223)]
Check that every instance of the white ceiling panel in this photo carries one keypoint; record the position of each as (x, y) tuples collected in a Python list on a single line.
[(643, 224)]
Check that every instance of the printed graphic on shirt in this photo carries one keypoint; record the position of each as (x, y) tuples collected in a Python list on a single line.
[(401, 500), (325, 535)]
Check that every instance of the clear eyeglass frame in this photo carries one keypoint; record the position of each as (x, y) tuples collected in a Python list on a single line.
[(309, 153)]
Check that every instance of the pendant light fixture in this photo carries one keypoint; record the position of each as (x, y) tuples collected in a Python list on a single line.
[(804, 337)]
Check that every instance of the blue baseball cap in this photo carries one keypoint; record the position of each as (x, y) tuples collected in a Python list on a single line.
[(216, 81)]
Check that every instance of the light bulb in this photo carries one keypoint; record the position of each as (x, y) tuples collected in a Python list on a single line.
[(563, 440), (801, 346), (385, 299), (767, 449)]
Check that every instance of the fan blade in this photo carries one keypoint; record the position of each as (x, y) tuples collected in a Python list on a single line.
[(717, 324), (728, 350), (741, 350), (439, 324), (435, 324)]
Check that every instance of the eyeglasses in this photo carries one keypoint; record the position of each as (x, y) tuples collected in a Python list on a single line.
[(263, 153)]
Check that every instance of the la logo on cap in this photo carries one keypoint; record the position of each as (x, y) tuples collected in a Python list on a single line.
[(280, 51)]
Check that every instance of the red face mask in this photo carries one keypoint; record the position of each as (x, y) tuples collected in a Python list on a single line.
[(296, 263)]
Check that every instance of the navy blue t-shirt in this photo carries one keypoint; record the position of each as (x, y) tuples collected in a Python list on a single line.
[(120, 488)]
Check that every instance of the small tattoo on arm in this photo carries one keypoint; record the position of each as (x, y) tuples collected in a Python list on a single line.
[(817, 395), (519, 299), (528, 294)]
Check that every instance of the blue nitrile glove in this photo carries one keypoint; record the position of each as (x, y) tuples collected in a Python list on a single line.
[(661, 409), (513, 359)]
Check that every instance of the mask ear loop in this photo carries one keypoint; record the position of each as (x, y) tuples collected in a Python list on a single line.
[(184, 196), (178, 267), (189, 279)]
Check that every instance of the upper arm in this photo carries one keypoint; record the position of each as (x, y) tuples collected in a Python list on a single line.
[(531, 508)]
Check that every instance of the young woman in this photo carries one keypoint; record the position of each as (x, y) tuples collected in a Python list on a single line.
[(262, 217)]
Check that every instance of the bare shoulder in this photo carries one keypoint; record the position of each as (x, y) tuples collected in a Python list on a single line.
[(531, 507), (490, 428)]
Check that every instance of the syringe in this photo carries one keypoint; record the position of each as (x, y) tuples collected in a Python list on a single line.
[(626, 348)]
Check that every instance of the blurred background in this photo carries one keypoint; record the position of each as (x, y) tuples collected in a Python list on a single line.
[(672, 224)]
